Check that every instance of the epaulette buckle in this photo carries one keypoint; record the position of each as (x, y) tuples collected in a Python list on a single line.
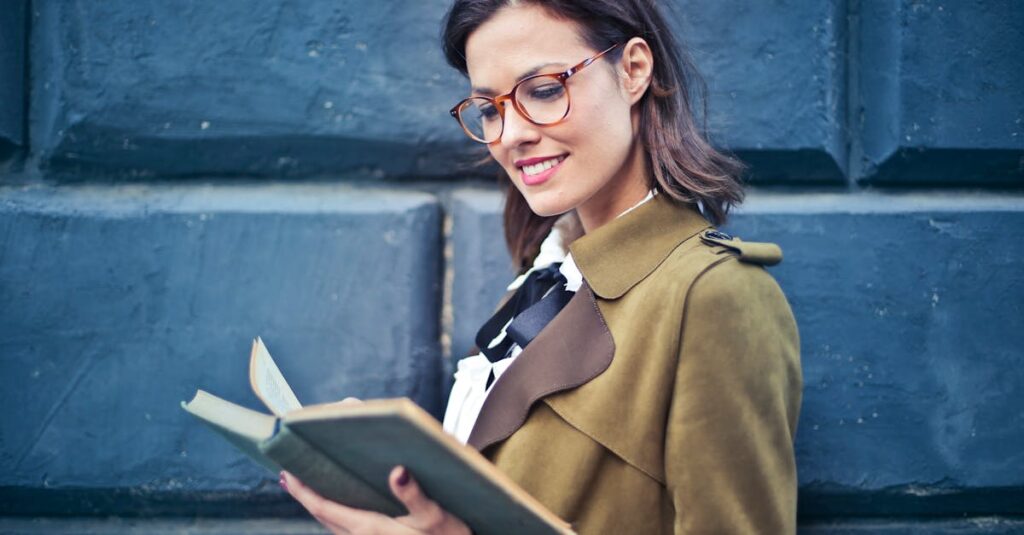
[(763, 253)]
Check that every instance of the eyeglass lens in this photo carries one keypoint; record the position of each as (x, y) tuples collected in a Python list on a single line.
[(544, 99)]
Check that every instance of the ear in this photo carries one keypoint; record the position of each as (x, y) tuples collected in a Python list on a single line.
[(637, 67)]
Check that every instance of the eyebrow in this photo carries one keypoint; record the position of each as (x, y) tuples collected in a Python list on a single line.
[(486, 91)]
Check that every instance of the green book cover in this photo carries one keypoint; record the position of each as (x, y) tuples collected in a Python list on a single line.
[(346, 450)]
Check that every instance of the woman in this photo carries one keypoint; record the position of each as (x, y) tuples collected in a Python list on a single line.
[(648, 381)]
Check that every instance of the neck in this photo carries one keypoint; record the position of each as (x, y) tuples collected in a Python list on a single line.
[(628, 187)]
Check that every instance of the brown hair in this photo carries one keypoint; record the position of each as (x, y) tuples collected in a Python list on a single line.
[(685, 165)]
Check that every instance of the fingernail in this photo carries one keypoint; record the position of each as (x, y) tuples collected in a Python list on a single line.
[(282, 482), (403, 479)]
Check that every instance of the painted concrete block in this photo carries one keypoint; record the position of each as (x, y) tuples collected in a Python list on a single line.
[(12, 76), (916, 526), (119, 302), (940, 93), (160, 526), (776, 73), (144, 88), (480, 263), (911, 324), (141, 88)]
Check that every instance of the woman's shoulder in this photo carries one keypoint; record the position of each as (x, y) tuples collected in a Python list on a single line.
[(732, 298), (737, 265)]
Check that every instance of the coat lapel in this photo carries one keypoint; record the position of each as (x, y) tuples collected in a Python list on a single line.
[(576, 346), (554, 361)]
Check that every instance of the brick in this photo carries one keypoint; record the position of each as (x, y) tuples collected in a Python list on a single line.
[(159, 526), (909, 309), (12, 77), (141, 88), (776, 74), (902, 526), (940, 96), (480, 263), (120, 301)]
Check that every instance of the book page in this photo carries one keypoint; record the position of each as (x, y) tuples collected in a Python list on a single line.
[(268, 383), (244, 428)]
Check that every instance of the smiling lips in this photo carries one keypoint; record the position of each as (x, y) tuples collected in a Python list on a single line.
[(535, 171)]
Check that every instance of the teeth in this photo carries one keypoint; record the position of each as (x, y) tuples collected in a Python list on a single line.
[(542, 166)]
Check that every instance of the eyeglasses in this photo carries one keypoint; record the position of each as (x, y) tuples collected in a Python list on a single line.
[(542, 99)]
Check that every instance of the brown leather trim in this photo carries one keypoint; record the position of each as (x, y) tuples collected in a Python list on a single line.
[(571, 350)]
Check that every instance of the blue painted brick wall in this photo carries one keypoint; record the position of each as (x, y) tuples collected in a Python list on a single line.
[(308, 88), (176, 192)]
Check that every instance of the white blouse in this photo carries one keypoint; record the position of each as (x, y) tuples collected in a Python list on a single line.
[(470, 389)]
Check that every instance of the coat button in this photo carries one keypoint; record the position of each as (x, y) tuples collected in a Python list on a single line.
[(717, 235)]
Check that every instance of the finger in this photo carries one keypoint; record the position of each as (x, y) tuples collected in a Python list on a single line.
[(333, 515), (424, 513), (347, 401)]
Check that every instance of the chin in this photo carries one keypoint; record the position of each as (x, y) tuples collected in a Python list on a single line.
[(547, 206)]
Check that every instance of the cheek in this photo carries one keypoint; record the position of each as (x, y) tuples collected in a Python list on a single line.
[(604, 133), (496, 152), (602, 110)]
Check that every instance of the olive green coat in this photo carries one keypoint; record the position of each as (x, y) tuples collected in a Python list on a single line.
[(664, 397)]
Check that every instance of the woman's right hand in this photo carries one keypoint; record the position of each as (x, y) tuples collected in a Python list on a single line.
[(347, 401), (425, 516)]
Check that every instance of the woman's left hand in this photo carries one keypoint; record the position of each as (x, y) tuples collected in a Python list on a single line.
[(425, 516)]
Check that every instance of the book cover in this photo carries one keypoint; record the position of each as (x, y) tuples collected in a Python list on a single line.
[(346, 450)]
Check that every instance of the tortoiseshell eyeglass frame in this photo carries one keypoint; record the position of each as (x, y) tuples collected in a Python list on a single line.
[(500, 100)]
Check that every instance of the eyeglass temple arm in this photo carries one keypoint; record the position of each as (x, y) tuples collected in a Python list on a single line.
[(585, 63)]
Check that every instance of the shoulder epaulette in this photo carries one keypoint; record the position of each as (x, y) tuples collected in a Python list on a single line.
[(763, 253)]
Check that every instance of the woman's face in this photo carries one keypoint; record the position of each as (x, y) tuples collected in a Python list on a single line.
[(600, 170)]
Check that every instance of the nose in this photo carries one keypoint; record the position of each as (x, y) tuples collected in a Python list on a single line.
[(517, 131)]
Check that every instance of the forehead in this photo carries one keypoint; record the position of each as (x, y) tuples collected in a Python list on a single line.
[(517, 39)]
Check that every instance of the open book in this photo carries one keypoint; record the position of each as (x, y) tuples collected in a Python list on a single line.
[(345, 452)]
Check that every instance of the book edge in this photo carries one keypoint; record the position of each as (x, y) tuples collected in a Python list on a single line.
[(296, 436), (413, 413)]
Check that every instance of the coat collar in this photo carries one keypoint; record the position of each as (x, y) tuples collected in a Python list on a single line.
[(617, 256), (577, 345)]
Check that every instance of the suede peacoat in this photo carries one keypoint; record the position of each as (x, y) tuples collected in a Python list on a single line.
[(664, 397)]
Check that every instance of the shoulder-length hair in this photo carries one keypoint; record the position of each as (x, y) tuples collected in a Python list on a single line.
[(685, 166)]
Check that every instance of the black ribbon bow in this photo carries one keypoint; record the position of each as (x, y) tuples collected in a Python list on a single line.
[(531, 321), (537, 301)]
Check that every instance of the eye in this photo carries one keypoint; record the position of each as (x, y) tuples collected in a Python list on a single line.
[(550, 91), (488, 111)]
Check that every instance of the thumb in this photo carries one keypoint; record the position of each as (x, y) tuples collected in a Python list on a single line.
[(424, 513)]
